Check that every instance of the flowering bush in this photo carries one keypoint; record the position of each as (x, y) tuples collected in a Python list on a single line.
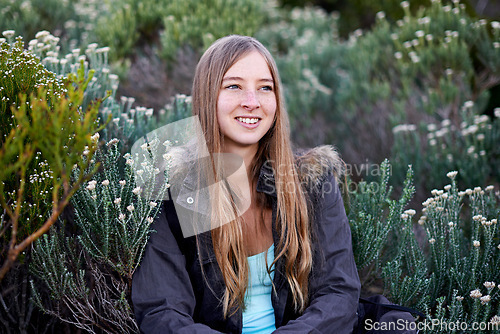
[(447, 265), (421, 69), (45, 179), (113, 217), (470, 148), (453, 275)]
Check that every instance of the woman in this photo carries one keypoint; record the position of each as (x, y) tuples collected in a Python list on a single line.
[(285, 264)]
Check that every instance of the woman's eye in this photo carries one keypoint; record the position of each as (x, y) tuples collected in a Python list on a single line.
[(267, 88), (232, 87)]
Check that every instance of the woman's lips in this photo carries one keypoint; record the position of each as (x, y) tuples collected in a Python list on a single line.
[(248, 122)]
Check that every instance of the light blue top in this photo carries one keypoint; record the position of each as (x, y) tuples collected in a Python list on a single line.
[(258, 317)]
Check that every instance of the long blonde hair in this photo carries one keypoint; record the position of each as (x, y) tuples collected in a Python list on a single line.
[(292, 221)]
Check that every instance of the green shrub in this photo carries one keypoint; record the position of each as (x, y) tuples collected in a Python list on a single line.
[(27, 17), (472, 149), (420, 69), (113, 217), (447, 265), (453, 275), (197, 24)]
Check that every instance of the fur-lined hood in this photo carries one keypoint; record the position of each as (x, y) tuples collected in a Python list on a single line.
[(313, 165)]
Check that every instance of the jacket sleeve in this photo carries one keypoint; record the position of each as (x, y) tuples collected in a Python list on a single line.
[(162, 294), (334, 285)]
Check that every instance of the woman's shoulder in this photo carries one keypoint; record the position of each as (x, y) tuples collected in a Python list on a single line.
[(318, 164)]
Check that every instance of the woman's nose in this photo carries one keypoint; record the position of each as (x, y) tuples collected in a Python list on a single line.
[(250, 100)]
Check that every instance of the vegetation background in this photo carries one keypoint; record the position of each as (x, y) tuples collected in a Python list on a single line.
[(416, 82)]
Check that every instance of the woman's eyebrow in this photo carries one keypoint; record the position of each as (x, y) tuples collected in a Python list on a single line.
[(240, 79)]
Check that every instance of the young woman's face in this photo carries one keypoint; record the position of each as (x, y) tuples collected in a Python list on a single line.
[(246, 104)]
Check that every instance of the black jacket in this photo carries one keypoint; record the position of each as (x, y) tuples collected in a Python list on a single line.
[(170, 295)]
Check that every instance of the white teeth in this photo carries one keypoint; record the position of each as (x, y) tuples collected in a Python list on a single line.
[(247, 120)]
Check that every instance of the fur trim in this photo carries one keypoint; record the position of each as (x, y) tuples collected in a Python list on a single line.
[(315, 164)]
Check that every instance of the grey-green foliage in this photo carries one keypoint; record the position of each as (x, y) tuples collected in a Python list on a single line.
[(126, 121), (453, 274), (27, 17), (375, 218), (197, 24), (113, 216), (419, 69), (470, 148)]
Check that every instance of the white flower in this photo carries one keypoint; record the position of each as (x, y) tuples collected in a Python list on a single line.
[(468, 191), (468, 104), (113, 141), (447, 187), (140, 172), (398, 55), (429, 37), (485, 299), (149, 112), (121, 216), (95, 137), (144, 146), (91, 185), (8, 33), (44, 33), (489, 188), (459, 298), (405, 4), (477, 218), (117, 200), (149, 219), (489, 285), (495, 24), (137, 191), (130, 207), (152, 204), (476, 294), (476, 243), (451, 224), (123, 183), (495, 320), (105, 183), (410, 212), (432, 241), (404, 216), (497, 112), (129, 162), (419, 33)]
